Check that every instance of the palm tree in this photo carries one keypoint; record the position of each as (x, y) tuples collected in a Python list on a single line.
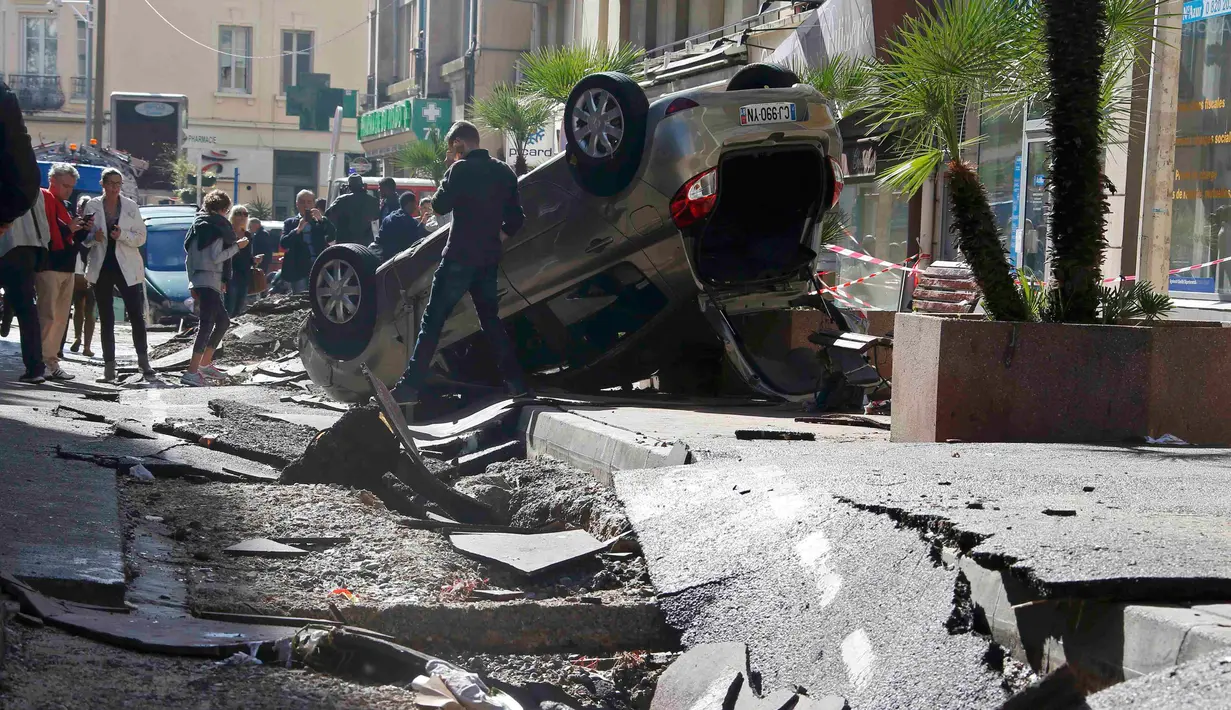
[(554, 71), (512, 110), (989, 56), (424, 158)]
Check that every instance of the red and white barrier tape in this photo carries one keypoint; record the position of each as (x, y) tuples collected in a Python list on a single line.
[(873, 260), (1194, 267)]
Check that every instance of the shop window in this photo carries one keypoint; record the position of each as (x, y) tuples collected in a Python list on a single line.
[(1201, 206), (1000, 171)]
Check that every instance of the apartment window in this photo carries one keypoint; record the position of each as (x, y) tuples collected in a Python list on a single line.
[(235, 60), (83, 33), (39, 42), (296, 57)]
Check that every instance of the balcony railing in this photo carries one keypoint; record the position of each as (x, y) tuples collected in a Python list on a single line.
[(36, 92), (80, 88)]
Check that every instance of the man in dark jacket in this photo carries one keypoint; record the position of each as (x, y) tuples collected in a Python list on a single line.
[(388, 197), (352, 214), (263, 244), (19, 188), (482, 194), (401, 229), (304, 237), (19, 176)]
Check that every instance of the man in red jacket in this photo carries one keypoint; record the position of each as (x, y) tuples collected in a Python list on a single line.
[(55, 284)]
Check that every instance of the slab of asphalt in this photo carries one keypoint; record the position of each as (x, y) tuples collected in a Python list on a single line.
[(59, 524), (1129, 522), (825, 596), (1205, 683)]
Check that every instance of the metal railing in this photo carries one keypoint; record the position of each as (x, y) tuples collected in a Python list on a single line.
[(80, 87), (687, 46), (37, 92)]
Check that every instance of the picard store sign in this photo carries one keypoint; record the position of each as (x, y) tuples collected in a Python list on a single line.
[(421, 116)]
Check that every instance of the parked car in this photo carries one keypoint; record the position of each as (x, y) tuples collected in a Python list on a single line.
[(659, 227), (166, 280)]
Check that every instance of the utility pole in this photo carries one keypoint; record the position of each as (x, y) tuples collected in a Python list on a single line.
[(1154, 254), (100, 46)]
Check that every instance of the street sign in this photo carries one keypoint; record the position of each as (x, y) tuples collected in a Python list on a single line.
[(360, 165)]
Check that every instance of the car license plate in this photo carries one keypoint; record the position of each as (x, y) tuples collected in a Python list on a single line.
[(766, 113)]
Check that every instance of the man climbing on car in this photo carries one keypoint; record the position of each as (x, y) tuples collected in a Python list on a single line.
[(482, 195)]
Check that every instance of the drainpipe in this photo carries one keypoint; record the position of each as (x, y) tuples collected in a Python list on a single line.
[(421, 51), (472, 56)]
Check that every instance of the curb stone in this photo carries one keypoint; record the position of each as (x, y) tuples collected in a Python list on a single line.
[(592, 446)]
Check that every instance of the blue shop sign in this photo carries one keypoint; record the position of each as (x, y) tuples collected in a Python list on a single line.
[(1203, 9), (1192, 284)]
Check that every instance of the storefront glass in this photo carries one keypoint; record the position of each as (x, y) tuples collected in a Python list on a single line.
[(1201, 208), (1000, 170), (878, 225)]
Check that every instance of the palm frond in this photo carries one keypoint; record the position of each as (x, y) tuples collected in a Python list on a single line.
[(424, 158), (849, 82), (554, 71), (909, 175), (510, 109)]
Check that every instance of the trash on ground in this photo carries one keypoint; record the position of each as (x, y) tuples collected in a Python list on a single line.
[(344, 593), (881, 406), (756, 434), (263, 547), (141, 473), (844, 420), (1166, 440), (240, 659), (467, 687), (1060, 512), (529, 554), (433, 694)]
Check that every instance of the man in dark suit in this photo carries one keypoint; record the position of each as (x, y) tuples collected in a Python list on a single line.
[(352, 214), (482, 194)]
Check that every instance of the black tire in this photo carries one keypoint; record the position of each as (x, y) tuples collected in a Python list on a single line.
[(600, 168), (341, 332), (762, 76)]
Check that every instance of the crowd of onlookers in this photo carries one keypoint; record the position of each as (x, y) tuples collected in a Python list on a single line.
[(61, 260)]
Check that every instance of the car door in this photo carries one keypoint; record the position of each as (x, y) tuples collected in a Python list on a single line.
[(561, 243)]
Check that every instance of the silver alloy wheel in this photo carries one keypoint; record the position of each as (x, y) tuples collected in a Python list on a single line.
[(598, 123), (338, 291)]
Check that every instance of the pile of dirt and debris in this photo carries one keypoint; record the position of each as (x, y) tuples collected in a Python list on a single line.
[(245, 431), (624, 681), (261, 345)]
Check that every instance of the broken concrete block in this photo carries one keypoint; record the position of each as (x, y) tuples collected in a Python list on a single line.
[(704, 677), (262, 547), (497, 595), (528, 554)]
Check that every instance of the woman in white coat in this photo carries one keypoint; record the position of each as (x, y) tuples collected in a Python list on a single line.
[(117, 233)]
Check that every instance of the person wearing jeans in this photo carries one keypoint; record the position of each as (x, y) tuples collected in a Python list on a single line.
[(55, 283), (23, 251), (115, 264), (210, 242), (236, 297), (482, 195)]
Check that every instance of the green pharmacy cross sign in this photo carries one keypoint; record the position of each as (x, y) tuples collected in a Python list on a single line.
[(314, 102), (421, 116)]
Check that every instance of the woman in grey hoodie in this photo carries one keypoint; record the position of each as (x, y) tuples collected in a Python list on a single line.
[(210, 242)]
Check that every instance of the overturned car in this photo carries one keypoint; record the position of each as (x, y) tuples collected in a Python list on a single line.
[(643, 243)]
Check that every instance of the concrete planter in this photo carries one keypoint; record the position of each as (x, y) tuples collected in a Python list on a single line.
[(978, 380)]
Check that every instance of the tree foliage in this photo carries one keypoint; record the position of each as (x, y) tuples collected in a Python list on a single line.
[(517, 112), (424, 158), (554, 71)]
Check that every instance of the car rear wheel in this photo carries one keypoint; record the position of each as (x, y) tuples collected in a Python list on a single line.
[(762, 76), (604, 127), (342, 290)]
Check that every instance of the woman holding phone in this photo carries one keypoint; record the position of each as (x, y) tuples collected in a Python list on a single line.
[(116, 236)]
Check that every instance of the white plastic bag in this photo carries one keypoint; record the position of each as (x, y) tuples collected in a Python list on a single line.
[(470, 691)]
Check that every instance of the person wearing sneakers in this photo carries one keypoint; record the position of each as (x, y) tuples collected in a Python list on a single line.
[(117, 234), (210, 242), (482, 194), (55, 283)]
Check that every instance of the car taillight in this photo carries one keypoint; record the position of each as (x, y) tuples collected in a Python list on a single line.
[(681, 104), (839, 179), (695, 199)]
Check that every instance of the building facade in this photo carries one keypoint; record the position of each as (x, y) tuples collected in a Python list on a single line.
[(232, 61)]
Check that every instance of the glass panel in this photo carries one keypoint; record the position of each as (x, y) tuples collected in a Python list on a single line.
[(1201, 207), (288, 60), (33, 39), (82, 44), (303, 60), (164, 248), (243, 47), (1000, 156), (1037, 210), (225, 61), (50, 46), (878, 225)]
